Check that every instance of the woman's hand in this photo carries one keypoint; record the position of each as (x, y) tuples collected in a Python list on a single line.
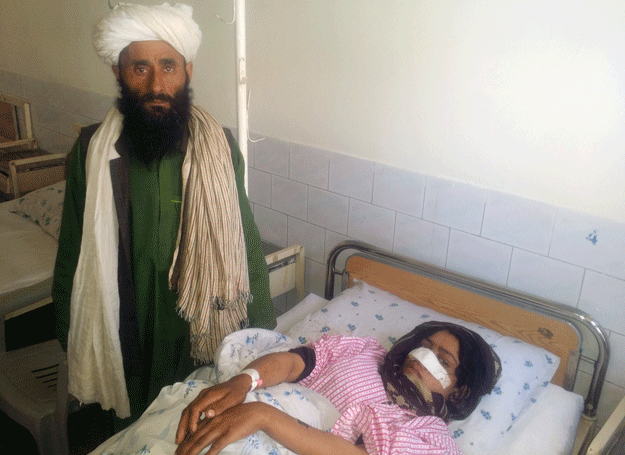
[(212, 402), (273, 369), (229, 426)]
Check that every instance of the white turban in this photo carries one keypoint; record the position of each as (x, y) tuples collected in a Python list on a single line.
[(128, 22)]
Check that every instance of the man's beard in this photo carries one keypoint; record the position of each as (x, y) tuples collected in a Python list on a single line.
[(152, 133)]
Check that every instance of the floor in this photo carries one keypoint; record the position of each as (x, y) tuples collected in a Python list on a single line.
[(85, 433)]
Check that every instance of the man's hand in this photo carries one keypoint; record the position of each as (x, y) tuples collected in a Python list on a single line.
[(229, 426), (212, 402)]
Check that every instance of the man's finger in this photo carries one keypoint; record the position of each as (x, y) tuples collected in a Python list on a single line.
[(194, 443), (194, 418)]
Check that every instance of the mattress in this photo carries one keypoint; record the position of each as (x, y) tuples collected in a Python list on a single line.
[(27, 258)]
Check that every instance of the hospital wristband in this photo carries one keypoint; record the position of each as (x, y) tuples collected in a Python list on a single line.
[(256, 380)]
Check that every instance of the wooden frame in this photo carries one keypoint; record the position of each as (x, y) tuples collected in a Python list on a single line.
[(286, 271), (30, 173)]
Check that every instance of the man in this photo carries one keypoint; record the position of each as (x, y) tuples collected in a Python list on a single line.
[(159, 256)]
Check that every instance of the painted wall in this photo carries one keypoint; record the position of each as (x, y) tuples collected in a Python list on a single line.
[(527, 98)]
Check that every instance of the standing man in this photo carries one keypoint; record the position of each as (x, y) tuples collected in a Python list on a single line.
[(159, 256)]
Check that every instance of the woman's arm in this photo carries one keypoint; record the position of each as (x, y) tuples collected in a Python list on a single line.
[(246, 419), (272, 368)]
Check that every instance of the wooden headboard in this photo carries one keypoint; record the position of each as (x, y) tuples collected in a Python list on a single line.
[(553, 335), (555, 327)]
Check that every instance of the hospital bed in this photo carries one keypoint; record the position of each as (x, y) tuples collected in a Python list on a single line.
[(541, 344), (28, 252)]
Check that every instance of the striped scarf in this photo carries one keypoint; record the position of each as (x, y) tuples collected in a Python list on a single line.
[(209, 270)]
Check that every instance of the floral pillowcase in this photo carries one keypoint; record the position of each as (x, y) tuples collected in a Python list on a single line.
[(44, 207)]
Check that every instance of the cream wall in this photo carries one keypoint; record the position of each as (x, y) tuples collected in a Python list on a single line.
[(526, 98)]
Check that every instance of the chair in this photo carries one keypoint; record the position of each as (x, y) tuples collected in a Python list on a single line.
[(23, 166), (33, 391)]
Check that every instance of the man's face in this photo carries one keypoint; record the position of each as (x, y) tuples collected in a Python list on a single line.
[(154, 72)]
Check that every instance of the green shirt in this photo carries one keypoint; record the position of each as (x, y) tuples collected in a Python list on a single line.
[(154, 193)]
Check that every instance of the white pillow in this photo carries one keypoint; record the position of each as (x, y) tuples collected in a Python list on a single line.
[(44, 206), (366, 310)]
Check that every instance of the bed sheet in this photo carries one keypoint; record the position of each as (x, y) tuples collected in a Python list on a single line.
[(154, 432), (28, 253), (549, 421)]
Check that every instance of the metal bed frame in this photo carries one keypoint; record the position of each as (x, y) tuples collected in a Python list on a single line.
[(579, 320)]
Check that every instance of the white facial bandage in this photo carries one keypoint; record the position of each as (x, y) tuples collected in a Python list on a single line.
[(430, 362)]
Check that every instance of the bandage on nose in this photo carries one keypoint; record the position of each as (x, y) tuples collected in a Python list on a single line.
[(429, 360)]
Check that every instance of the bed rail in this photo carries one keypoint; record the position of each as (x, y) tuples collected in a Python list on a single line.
[(582, 322)]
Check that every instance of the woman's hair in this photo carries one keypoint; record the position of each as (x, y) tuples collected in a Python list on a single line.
[(478, 370)]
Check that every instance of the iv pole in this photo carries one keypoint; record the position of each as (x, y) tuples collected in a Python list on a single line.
[(242, 114), (241, 76)]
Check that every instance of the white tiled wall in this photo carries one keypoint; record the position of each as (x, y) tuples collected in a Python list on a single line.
[(525, 245), (319, 198)]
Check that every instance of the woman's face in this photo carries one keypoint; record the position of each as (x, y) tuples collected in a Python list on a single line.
[(446, 347)]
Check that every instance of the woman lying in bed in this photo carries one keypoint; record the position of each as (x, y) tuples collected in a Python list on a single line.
[(390, 403)]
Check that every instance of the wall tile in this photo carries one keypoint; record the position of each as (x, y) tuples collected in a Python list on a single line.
[(328, 210), (351, 177), (611, 395), (332, 239), (271, 225), (371, 224), (40, 91), (478, 257), (279, 305), (603, 297), (289, 197), (7, 81), (309, 235), (421, 240), (398, 190), (259, 187), (57, 120), (11, 84), (545, 277), (519, 222), (309, 165), (52, 141), (456, 205), (271, 155), (590, 242), (315, 277), (616, 368), (94, 106)]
